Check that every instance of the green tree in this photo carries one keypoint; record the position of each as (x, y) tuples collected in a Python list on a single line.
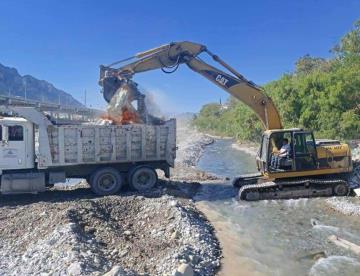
[(350, 42), (321, 95), (308, 64)]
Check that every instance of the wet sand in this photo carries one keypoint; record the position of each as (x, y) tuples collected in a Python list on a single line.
[(231, 263)]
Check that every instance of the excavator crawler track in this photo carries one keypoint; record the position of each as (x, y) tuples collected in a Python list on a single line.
[(287, 189), (246, 179)]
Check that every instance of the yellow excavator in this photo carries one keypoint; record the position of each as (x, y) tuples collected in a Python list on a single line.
[(309, 168)]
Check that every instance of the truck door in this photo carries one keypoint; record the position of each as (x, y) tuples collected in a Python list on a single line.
[(12, 147), (304, 151)]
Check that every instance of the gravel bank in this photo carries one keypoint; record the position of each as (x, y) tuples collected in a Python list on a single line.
[(345, 205), (191, 145), (69, 231), (72, 233)]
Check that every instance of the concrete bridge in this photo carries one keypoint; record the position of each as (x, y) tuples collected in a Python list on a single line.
[(60, 114)]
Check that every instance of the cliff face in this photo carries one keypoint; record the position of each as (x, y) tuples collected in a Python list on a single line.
[(12, 83)]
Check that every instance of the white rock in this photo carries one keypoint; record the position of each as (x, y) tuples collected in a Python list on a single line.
[(123, 253), (96, 260), (74, 269), (115, 271), (184, 270), (175, 235), (173, 203)]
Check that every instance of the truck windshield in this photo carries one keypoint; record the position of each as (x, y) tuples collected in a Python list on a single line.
[(16, 133)]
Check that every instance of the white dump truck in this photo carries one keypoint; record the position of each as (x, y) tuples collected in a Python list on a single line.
[(35, 153)]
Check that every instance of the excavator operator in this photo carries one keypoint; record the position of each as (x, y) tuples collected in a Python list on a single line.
[(283, 153)]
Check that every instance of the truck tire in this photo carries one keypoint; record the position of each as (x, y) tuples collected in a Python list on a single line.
[(143, 178), (106, 181)]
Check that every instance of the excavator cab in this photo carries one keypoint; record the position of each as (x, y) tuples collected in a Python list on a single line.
[(300, 154)]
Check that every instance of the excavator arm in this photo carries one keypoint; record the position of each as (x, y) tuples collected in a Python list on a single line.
[(169, 57)]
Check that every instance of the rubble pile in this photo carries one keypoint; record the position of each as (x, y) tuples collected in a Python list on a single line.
[(132, 233)]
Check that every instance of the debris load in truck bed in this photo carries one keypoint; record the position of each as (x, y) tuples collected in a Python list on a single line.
[(120, 110)]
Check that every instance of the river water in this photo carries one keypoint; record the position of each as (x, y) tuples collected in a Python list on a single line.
[(283, 237)]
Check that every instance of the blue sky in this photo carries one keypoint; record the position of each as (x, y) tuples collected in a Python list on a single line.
[(64, 42)]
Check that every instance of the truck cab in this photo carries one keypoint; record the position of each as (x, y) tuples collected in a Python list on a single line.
[(17, 144)]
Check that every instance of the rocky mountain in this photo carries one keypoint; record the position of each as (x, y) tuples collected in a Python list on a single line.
[(15, 85)]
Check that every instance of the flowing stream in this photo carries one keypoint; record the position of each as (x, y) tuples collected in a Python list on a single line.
[(282, 237)]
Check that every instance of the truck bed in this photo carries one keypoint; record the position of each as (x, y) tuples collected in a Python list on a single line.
[(90, 144)]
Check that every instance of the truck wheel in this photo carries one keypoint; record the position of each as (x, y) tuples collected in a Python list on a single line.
[(341, 189), (106, 181), (143, 178)]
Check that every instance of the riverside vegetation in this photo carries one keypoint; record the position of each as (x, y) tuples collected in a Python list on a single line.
[(320, 94)]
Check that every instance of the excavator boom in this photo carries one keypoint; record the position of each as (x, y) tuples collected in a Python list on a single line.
[(169, 57)]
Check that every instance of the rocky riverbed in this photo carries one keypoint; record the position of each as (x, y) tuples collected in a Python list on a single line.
[(70, 231)]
